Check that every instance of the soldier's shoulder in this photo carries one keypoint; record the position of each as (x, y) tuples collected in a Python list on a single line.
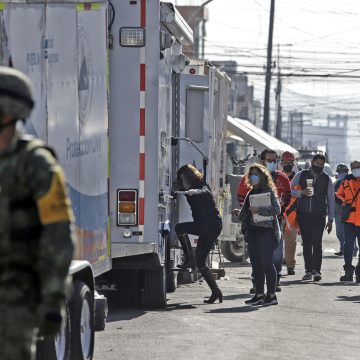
[(37, 151)]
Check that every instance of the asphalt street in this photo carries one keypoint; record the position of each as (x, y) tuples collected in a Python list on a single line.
[(312, 321)]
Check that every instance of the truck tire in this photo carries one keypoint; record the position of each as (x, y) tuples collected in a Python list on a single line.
[(171, 281), (57, 348), (82, 322), (154, 291), (234, 251)]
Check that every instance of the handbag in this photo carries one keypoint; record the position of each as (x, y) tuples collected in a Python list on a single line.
[(347, 209)]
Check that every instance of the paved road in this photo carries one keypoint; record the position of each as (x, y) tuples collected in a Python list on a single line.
[(312, 321)]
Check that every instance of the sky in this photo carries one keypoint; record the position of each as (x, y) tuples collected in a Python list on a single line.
[(312, 38)]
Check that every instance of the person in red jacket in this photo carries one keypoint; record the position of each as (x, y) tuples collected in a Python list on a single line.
[(288, 165), (282, 183)]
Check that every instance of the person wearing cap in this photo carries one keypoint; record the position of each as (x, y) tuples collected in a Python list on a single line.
[(316, 201), (36, 228), (349, 194), (288, 164), (342, 170)]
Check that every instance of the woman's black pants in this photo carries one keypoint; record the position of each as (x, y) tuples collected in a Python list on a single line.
[(207, 232)]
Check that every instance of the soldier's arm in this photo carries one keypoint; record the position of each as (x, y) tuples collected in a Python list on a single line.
[(56, 243)]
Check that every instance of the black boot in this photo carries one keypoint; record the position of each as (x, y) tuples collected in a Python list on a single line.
[(349, 273), (189, 259), (215, 291), (357, 273)]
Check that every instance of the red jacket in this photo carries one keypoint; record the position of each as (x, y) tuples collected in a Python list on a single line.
[(282, 184)]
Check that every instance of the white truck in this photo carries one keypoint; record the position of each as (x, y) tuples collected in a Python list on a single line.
[(150, 117)]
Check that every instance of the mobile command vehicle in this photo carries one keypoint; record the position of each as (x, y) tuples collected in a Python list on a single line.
[(62, 48), (156, 125)]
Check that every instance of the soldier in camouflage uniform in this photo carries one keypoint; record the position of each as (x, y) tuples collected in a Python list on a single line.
[(36, 228)]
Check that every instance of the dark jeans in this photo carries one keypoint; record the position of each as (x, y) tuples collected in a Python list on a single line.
[(208, 232), (261, 248), (351, 233), (312, 229)]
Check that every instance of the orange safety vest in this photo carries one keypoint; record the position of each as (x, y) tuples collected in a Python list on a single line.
[(290, 214), (346, 192)]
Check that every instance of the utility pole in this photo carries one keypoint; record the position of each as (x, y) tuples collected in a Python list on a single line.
[(268, 69), (278, 100)]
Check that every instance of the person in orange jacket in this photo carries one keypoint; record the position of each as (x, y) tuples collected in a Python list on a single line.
[(348, 193)]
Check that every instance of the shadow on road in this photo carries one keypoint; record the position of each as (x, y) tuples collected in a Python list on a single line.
[(235, 264), (336, 283), (123, 315), (177, 306), (239, 309), (237, 296), (355, 299), (293, 282)]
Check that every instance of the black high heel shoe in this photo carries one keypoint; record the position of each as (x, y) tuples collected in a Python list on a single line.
[(217, 294)]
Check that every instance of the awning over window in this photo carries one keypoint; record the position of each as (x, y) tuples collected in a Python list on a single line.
[(256, 137)]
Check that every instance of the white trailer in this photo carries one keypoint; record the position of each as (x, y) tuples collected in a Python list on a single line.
[(61, 46), (150, 101)]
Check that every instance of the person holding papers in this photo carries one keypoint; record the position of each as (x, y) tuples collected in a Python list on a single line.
[(262, 232)]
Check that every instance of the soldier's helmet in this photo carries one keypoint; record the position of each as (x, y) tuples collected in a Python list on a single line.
[(16, 94), (342, 168)]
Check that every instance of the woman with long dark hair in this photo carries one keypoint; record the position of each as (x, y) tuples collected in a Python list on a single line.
[(262, 236), (207, 225)]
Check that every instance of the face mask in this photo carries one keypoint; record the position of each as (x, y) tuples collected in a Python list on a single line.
[(356, 172), (254, 179), (271, 166), (287, 168), (341, 176), (317, 169)]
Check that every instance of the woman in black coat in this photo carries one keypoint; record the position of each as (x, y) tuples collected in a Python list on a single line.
[(262, 235), (207, 225)]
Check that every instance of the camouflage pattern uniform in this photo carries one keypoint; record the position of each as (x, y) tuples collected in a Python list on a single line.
[(36, 242)]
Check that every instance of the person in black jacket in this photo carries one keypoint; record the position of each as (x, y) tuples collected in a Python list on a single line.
[(262, 236), (207, 225), (316, 201)]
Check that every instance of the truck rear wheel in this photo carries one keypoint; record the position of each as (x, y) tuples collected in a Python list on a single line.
[(57, 348), (235, 251), (171, 281), (82, 322), (154, 291)]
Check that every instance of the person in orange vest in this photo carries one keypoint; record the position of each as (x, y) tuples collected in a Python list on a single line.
[(288, 164), (342, 170), (348, 193)]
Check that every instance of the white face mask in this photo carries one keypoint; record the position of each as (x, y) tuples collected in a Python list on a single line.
[(356, 172)]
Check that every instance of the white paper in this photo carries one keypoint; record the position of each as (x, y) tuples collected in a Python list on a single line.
[(260, 200)]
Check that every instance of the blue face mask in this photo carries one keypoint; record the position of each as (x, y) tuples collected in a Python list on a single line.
[(356, 172), (271, 166), (341, 176), (254, 179)]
